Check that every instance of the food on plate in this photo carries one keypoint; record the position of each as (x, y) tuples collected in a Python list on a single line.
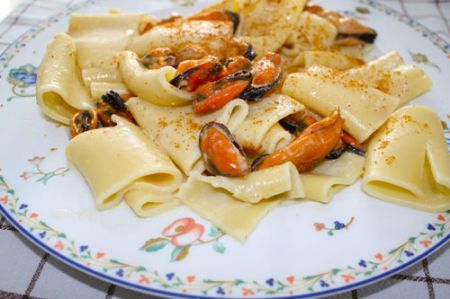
[(237, 108)]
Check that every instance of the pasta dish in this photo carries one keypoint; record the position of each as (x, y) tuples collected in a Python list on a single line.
[(239, 107)]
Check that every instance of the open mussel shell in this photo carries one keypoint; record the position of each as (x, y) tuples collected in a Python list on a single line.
[(225, 156), (254, 93), (115, 100), (368, 37), (83, 121), (355, 150), (337, 151), (159, 57), (204, 70), (258, 161), (242, 75), (180, 80)]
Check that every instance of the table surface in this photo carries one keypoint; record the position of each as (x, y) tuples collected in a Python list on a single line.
[(28, 272)]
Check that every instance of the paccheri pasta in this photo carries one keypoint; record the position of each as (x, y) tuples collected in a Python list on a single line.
[(238, 107)]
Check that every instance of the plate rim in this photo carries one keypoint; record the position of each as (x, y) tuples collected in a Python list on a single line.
[(445, 47), (153, 291)]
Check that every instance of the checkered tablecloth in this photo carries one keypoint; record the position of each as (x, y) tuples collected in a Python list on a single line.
[(28, 272)]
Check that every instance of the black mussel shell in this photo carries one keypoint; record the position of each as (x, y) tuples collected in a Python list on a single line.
[(253, 94), (258, 161), (294, 127), (365, 37), (250, 54), (355, 150), (179, 81), (235, 19), (336, 153), (113, 99), (242, 75)]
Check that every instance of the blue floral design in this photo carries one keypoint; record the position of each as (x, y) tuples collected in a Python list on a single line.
[(338, 225), (22, 77)]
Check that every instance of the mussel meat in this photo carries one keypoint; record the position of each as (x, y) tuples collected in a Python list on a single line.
[(221, 153), (350, 31), (235, 64), (83, 121), (310, 147), (212, 96), (158, 58), (266, 76), (193, 73), (191, 52)]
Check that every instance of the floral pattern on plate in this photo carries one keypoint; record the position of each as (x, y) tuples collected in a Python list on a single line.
[(84, 255), (182, 235)]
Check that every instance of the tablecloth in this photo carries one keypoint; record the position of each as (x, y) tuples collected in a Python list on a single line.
[(28, 272)]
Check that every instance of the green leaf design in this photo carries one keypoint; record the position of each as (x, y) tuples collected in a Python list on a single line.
[(362, 10), (214, 232), (219, 247), (179, 253), (238, 282), (156, 244), (335, 271), (330, 233)]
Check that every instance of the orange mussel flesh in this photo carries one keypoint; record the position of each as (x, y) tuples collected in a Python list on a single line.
[(266, 76), (221, 153), (310, 147), (212, 96), (193, 73)]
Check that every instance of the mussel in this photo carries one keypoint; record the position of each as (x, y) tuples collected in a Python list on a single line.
[(193, 73), (298, 122), (236, 64), (352, 145), (350, 31), (112, 103), (250, 54), (221, 153), (337, 151), (83, 121), (310, 147), (212, 96), (219, 15), (191, 52), (266, 75), (159, 57)]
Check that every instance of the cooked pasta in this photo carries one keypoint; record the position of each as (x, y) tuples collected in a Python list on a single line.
[(238, 107), (422, 182)]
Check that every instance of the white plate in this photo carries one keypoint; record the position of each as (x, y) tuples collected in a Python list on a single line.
[(303, 249)]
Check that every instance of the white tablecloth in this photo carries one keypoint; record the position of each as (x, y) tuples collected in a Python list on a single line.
[(26, 271)]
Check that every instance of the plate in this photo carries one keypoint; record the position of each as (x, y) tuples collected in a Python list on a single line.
[(302, 249)]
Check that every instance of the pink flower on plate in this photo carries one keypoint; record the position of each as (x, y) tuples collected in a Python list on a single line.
[(26, 175), (319, 226), (347, 277), (36, 160), (184, 231), (179, 227), (189, 237), (4, 199)]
